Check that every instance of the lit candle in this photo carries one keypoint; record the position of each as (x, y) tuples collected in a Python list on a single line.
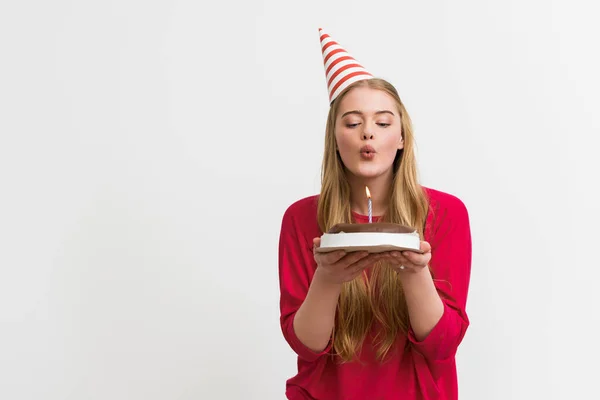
[(370, 204)]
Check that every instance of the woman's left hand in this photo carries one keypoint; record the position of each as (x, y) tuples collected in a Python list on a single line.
[(409, 261)]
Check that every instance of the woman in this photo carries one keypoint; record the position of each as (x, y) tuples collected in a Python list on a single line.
[(372, 326)]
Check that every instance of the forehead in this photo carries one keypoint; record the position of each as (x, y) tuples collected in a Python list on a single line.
[(367, 100)]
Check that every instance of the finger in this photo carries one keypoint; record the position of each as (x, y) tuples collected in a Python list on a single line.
[(402, 263), (363, 263), (352, 258), (395, 258), (425, 247), (316, 242), (330, 258), (416, 258), (353, 273), (399, 258), (403, 268), (387, 256)]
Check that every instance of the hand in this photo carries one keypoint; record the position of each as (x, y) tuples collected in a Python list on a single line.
[(340, 266), (409, 261)]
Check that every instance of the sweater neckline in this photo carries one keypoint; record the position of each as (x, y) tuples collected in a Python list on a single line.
[(364, 218)]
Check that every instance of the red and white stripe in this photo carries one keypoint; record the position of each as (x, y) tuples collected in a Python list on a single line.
[(341, 69)]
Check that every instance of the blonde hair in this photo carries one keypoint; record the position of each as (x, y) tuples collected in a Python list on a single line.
[(378, 298)]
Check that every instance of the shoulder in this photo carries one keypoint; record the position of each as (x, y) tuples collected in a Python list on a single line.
[(446, 206), (447, 221), (302, 207), (444, 200), (301, 215)]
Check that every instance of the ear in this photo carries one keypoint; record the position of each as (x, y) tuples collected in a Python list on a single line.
[(401, 143)]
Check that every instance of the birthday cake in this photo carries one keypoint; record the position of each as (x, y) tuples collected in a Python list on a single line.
[(373, 237)]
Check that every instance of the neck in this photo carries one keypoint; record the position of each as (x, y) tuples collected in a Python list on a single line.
[(379, 188)]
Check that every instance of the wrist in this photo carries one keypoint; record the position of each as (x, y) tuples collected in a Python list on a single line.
[(417, 278), (321, 279)]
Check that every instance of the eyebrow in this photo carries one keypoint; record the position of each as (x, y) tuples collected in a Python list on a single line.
[(358, 112)]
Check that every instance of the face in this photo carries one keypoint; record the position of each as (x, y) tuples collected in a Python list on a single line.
[(368, 132)]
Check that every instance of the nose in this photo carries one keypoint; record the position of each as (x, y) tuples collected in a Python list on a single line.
[(367, 132)]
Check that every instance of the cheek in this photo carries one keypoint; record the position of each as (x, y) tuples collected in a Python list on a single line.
[(392, 143), (343, 141)]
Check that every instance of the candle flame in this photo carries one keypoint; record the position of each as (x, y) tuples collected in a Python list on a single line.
[(368, 192)]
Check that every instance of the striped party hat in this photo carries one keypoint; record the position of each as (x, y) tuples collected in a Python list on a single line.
[(341, 69)]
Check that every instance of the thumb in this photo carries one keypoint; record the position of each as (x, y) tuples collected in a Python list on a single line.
[(316, 242), (425, 247)]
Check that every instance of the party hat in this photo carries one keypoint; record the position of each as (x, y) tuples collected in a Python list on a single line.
[(341, 69)]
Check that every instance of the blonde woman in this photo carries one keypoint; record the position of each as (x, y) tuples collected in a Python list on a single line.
[(372, 326)]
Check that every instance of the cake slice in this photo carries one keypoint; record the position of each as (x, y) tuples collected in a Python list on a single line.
[(373, 237)]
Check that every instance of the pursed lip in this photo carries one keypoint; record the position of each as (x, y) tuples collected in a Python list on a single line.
[(367, 149)]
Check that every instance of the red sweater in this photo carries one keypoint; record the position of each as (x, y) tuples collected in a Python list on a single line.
[(425, 371)]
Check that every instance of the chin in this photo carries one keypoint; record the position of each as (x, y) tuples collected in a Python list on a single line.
[(367, 173)]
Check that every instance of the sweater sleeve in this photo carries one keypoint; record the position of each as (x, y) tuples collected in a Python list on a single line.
[(451, 268), (296, 269)]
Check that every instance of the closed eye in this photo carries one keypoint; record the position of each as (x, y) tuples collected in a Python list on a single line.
[(383, 125)]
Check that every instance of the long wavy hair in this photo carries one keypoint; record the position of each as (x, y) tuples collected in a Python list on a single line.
[(378, 297)]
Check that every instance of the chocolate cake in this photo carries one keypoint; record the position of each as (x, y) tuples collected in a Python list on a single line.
[(373, 237)]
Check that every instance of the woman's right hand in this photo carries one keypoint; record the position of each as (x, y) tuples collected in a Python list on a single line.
[(340, 266)]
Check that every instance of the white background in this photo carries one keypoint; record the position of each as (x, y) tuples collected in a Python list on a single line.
[(148, 150)]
